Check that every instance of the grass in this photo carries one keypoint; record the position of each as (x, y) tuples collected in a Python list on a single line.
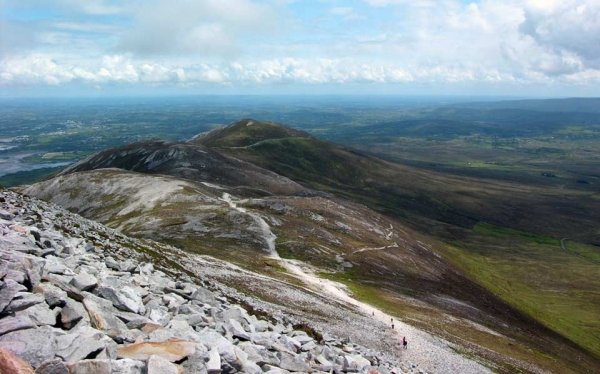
[(535, 275), (488, 229)]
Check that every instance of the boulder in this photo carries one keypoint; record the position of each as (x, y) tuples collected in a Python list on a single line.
[(20, 322), (213, 366), (159, 315), (84, 281), (53, 295), (211, 338), (8, 216), (292, 363), (8, 292), (23, 300), (171, 350), (158, 365), (237, 330), (41, 314), (55, 366), (124, 298), (355, 363), (81, 343), (34, 345), (102, 315), (13, 364), (72, 313), (96, 366)]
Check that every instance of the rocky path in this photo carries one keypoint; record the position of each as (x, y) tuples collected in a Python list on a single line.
[(431, 353)]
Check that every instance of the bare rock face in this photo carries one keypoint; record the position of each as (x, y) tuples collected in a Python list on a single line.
[(13, 364)]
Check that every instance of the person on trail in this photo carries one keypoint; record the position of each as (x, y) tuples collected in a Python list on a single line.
[(404, 342), (392, 326)]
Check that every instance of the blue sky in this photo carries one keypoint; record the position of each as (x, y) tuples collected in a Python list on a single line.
[(488, 47)]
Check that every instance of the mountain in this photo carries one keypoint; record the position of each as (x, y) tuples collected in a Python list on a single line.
[(313, 214), (189, 161), (424, 197)]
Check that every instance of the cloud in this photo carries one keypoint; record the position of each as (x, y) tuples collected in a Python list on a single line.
[(274, 42), (118, 69), (569, 26), (204, 28)]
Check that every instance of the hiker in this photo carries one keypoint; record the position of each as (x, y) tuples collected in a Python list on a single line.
[(392, 326), (404, 342)]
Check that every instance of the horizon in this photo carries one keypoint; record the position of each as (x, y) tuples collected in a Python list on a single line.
[(525, 49)]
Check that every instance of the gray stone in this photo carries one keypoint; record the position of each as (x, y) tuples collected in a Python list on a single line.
[(124, 298), (23, 300), (72, 313), (55, 267), (159, 315), (355, 363), (292, 363), (34, 271), (33, 345), (84, 281), (6, 215), (290, 343), (81, 343), (213, 366), (8, 292), (10, 324), (308, 346), (96, 366), (237, 330), (195, 363), (102, 315), (16, 275), (54, 296), (211, 338), (41, 314), (273, 370), (158, 365), (62, 283), (128, 366), (205, 296), (56, 366)]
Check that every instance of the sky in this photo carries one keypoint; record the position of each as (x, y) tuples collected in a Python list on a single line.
[(536, 48)]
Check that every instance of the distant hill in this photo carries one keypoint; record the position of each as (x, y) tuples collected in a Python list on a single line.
[(562, 105)]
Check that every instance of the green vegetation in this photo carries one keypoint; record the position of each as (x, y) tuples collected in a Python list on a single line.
[(537, 276)]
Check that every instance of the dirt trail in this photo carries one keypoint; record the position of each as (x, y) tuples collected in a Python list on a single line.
[(430, 353)]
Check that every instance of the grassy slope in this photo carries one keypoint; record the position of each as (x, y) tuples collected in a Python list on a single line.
[(533, 273)]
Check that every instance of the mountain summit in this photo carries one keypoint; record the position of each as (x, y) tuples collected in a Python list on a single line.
[(247, 132)]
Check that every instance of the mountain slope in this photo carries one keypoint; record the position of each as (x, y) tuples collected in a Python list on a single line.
[(191, 162), (428, 199), (383, 261)]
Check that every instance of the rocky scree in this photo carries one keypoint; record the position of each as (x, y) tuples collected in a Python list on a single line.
[(74, 298)]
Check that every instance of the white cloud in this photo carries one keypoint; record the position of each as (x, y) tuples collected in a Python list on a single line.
[(251, 42), (205, 27)]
